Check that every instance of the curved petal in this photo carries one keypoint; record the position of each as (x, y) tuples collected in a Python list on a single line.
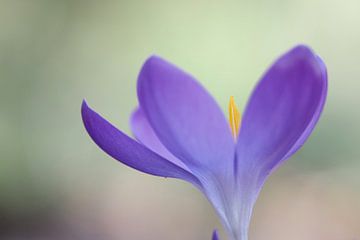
[(316, 116), (184, 116), (282, 111), (128, 151), (215, 235), (144, 133)]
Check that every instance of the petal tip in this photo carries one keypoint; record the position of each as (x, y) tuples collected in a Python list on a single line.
[(302, 51), (301, 55), (302, 47), (84, 108), (147, 69), (84, 104), (153, 60), (87, 115)]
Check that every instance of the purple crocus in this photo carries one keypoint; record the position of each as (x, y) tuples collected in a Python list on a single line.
[(181, 131)]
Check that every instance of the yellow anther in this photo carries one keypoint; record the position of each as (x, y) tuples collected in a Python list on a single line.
[(234, 118)]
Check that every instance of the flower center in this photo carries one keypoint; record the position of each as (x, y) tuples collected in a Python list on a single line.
[(234, 118)]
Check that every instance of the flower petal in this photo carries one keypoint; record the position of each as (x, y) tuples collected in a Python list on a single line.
[(282, 111), (215, 235), (128, 151), (315, 118), (184, 116), (144, 133)]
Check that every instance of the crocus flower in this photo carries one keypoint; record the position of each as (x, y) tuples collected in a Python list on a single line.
[(182, 133)]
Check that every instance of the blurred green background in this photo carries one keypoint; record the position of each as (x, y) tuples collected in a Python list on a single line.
[(56, 184)]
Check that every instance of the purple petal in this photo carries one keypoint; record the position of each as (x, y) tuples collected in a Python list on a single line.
[(144, 133), (184, 116), (282, 111), (128, 151), (215, 235), (315, 118)]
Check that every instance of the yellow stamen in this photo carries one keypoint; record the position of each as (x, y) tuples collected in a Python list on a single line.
[(234, 118)]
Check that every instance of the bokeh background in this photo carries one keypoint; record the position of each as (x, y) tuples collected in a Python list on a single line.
[(56, 184)]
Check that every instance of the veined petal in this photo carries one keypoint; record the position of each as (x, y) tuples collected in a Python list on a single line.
[(316, 116), (184, 116), (128, 151), (281, 112), (144, 133)]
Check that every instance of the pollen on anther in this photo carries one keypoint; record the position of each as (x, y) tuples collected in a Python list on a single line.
[(234, 118)]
